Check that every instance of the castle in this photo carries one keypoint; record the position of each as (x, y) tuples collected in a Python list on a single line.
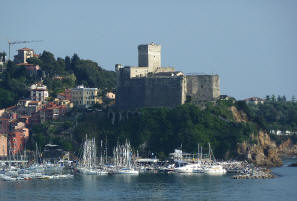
[(151, 85)]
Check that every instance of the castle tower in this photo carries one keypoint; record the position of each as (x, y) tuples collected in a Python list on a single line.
[(149, 55)]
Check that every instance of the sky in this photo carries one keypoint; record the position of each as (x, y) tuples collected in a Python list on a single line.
[(250, 44)]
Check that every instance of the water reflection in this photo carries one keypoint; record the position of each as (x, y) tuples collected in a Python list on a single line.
[(154, 187)]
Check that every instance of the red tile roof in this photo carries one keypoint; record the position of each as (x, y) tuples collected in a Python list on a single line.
[(26, 49), (25, 64)]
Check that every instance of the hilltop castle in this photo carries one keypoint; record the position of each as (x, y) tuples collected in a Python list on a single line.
[(151, 85)]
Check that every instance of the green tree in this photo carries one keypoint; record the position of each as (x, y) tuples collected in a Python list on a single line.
[(6, 98), (267, 98), (273, 98), (68, 64)]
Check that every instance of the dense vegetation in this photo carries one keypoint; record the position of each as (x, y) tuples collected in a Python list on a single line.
[(160, 130), (58, 74), (274, 115)]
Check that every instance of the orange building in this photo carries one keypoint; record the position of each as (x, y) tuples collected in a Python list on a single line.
[(4, 125), (18, 139)]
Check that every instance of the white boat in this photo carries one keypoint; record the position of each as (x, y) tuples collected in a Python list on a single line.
[(87, 171), (37, 168), (215, 170), (53, 167), (101, 172), (92, 171), (185, 167), (88, 164), (130, 171), (8, 178), (123, 160)]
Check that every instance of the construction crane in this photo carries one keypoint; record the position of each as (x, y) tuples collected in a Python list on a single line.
[(19, 42)]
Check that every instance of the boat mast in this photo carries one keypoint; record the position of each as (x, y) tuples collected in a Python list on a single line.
[(105, 149), (101, 160), (209, 151), (198, 153)]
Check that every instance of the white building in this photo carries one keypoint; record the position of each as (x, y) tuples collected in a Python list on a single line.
[(23, 55), (254, 100), (82, 96), (38, 92)]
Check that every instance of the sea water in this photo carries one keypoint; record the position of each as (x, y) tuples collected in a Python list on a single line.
[(157, 187)]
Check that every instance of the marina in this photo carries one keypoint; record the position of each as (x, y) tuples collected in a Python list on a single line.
[(126, 162), (155, 186)]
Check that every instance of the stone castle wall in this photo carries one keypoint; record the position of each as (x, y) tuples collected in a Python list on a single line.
[(150, 85), (139, 92), (165, 92), (203, 88), (151, 92), (149, 55)]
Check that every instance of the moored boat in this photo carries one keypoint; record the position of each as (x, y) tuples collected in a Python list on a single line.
[(215, 170)]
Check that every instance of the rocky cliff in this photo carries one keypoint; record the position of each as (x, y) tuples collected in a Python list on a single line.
[(263, 152), (259, 149), (287, 148), (239, 116)]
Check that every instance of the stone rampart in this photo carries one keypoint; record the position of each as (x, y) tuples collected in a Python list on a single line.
[(203, 88), (151, 92)]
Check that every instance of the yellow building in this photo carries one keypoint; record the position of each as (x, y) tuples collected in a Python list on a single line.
[(3, 145), (85, 97)]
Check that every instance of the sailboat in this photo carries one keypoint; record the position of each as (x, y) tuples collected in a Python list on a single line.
[(123, 160), (214, 168), (88, 164)]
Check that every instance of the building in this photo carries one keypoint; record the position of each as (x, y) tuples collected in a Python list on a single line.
[(151, 85), (2, 62), (27, 107), (203, 88), (38, 92), (110, 95), (66, 95), (84, 97), (32, 69), (254, 100), (13, 128), (23, 55), (3, 145), (18, 138), (53, 153), (51, 111), (4, 125)]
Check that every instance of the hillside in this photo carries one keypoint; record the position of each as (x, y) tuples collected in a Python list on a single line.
[(229, 127), (58, 74), (159, 130)]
